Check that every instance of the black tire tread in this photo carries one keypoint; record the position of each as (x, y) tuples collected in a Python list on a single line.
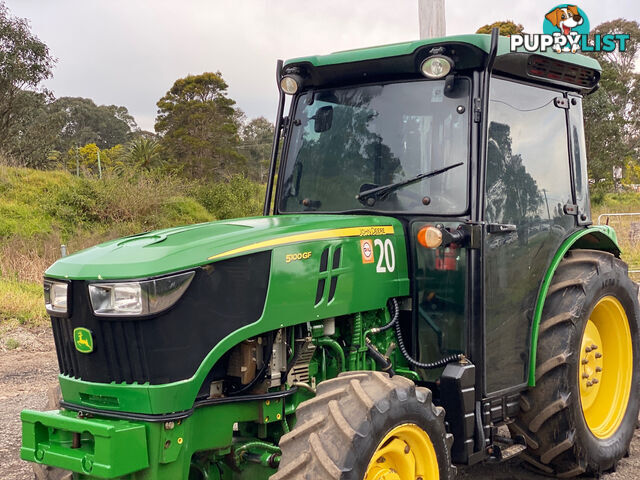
[(340, 416), (547, 417)]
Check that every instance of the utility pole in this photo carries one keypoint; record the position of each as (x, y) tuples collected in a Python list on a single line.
[(431, 18)]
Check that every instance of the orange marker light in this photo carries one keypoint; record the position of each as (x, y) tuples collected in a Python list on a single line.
[(430, 236)]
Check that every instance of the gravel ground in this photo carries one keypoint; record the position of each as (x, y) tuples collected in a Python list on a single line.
[(26, 373)]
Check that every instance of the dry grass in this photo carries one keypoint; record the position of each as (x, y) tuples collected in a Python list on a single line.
[(627, 227), (40, 210), (20, 304), (26, 259)]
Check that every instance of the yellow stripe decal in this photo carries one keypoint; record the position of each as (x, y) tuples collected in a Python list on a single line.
[(319, 235)]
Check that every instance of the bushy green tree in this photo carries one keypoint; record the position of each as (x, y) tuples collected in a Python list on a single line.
[(85, 159), (507, 28), (33, 133), (85, 122), (256, 137), (199, 126), (25, 62), (612, 113)]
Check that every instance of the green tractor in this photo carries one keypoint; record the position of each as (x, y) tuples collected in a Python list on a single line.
[(425, 289)]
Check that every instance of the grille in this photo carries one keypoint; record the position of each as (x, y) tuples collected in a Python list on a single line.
[(122, 347), (329, 274), (222, 298)]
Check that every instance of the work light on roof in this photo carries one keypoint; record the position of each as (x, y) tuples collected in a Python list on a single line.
[(290, 84), (436, 66)]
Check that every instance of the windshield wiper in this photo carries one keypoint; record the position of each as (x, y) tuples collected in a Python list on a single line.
[(370, 196)]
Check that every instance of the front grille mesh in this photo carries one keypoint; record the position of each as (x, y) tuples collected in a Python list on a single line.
[(124, 355)]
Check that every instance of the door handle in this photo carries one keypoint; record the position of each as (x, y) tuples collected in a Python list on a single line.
[(501, 228)]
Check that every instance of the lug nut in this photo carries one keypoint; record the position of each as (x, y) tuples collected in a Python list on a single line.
[(407, 449), (585, 361), (589, 384), (587, 349), (598, 369), (598, 355), (594, 346), (585, 375), (595, 380), (381, 460)]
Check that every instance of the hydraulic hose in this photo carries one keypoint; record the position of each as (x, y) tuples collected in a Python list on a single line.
[(428, 366), (393, 320), (335, 347)]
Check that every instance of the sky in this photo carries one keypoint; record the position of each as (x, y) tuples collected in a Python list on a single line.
[(129, 52)]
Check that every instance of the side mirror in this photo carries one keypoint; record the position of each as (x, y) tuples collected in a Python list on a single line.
[(323, 119)]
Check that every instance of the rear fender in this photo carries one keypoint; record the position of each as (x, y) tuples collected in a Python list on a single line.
[(601, 237)]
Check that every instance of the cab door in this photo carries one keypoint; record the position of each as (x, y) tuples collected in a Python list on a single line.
[(528, 185)]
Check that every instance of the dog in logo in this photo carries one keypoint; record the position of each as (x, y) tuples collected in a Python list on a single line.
[(566, 19)]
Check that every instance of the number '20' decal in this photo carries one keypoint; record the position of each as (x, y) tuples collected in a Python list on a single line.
[(387, 257)]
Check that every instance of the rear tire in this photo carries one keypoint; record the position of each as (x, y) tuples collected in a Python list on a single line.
[(581, 415), (363, 424)]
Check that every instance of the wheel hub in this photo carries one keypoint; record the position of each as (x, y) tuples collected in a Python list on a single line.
[(405, 453), (590, 365), (606, 367)]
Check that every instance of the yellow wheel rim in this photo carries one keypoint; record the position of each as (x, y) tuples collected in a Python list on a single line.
[(405, 453), (606, 367)]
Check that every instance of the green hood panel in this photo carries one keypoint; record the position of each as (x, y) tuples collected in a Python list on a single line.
[(166, 251)]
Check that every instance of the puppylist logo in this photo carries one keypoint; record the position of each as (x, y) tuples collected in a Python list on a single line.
[(566, 29)]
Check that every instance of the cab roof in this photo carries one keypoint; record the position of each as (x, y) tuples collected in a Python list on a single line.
[(479, 40), (468, 52)]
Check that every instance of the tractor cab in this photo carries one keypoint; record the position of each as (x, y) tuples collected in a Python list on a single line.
[(427, 133)]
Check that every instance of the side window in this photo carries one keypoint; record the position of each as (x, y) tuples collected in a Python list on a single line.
[(528, 184), (579, 148), (527, 159)]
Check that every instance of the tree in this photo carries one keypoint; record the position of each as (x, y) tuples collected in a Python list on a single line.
[(507, 28), (34, 131), (612, 113), (144, 153), (25, 61), (256, 137), (86, 158), (199, 124), (85, 122)]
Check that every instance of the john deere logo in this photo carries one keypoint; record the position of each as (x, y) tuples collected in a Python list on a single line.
[(83, 340)]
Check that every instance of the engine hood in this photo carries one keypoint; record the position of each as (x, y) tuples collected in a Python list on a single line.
[(165, 251)]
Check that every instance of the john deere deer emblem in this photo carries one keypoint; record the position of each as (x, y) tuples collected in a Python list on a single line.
[(83, 340)]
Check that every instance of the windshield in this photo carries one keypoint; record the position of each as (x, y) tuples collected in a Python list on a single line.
[(350, 140)]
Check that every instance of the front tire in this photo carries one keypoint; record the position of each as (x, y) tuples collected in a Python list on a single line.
[(367, 426), (581, 415)]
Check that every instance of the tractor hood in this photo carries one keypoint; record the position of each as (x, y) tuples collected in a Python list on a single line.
[(165, 251)]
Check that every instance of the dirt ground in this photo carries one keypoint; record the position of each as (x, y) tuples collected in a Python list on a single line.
[(29, 370)]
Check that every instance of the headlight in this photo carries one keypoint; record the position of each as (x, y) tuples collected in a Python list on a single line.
[(55, 297), (436, 66), (138, 298)]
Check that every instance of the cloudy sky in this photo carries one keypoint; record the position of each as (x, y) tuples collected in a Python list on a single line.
[(129, 52)]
